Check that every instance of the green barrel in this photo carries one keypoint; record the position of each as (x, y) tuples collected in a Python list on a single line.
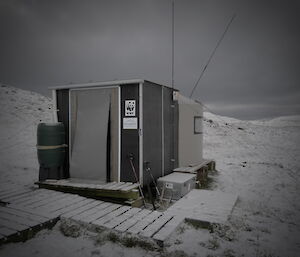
[(51, 146)]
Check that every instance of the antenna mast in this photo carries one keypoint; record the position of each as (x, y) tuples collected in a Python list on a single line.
[(173, 44)]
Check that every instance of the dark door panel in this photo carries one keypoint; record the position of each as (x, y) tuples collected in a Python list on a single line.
[(129, 137)]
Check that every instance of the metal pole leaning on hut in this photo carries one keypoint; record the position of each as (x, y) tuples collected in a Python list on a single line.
[(131, 157)]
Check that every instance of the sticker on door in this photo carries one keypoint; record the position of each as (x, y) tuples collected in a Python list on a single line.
[(130, 108)]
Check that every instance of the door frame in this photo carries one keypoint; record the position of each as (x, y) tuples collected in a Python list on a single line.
[(141, 132)]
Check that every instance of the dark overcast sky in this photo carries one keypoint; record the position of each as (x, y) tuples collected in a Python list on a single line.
[(255, 72)]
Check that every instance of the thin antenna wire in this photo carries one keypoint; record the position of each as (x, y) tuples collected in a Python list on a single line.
[(212, 54), (173, 44), (174, 156)]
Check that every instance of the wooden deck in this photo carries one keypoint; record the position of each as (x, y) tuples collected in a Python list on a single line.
[(23, 214), (17, 224), (121, 192), (26, 213), (10, 190), (144, 223)]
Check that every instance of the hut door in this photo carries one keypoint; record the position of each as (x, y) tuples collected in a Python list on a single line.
[(90, 135)]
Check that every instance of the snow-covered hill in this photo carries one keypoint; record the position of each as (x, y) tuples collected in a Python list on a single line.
[(258, 160), (20, 112)]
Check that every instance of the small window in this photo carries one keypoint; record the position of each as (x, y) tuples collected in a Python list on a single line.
[(197, 125)]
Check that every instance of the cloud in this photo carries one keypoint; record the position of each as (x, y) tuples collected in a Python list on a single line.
[(46, 43)]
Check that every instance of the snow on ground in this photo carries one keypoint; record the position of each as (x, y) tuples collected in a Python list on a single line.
[(20, 112), (258, 160)]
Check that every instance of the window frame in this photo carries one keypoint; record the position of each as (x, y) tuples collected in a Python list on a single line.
[(196, 131)]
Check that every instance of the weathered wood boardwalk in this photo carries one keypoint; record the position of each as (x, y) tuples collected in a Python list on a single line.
[(23, 214), (26, 213)]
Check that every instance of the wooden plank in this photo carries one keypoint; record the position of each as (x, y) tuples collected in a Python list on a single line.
[(76, 185), (181, 169), (27, 196), (155, 226), (101, 185), (19, 192), (130, 187), (96, 192), (9, 191), (108, 185), (7, 231), (38, 212), (205, 206), (32, 199), (101, 205), (75, 206), (80, 209), (18, 219), (16, 212), (133, 220), (12, 225), (111, 215), (83, 184), (87, 181), (61, 203), (194, 168), (168, 228), (48, 195), (117, 185), (15, 230), (86, 216), (40, 203), (138, 203), (19, 197), (62, 182), (125, 216), (140, 225), (46, 201), (101, 213), (34, 211)]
